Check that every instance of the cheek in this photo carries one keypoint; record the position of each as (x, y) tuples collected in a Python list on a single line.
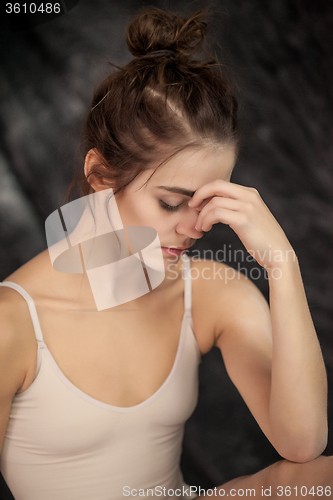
[(136, 213), (129, 209), (144, 211)]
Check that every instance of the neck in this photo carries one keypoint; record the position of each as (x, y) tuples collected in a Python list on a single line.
[(77, 288)]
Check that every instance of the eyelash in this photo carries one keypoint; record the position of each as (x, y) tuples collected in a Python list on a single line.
[(169, 208)]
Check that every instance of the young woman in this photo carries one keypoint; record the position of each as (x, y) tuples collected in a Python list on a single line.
[(96, 411)]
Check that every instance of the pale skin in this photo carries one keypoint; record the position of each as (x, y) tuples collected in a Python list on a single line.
[(272, 355)]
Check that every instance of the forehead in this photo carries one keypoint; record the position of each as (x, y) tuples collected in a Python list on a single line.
[(192, 169)]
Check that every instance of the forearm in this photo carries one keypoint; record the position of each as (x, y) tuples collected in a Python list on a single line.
[(298, 400)]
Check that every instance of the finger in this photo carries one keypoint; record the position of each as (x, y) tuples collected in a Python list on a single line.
[(230, 217), (218, 202), (203, 204), (218, 187)]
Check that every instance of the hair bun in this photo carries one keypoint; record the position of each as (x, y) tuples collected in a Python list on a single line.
[(154, 29)]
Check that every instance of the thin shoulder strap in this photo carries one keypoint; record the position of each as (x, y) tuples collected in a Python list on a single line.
[(188, 282), (31, 305)]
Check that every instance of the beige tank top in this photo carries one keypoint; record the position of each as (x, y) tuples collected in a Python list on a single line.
[(62, 444)]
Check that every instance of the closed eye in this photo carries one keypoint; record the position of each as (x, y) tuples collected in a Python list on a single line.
[(169, 208)]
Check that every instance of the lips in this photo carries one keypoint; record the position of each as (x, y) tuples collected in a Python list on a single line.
[(175, 250)]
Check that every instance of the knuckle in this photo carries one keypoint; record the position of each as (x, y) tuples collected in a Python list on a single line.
[(254, 192)]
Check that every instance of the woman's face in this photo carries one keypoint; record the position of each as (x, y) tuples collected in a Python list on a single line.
[(162, 203)]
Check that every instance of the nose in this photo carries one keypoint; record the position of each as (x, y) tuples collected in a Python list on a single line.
[(186, 224)]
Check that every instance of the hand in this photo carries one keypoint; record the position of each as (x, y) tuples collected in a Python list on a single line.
[(245, 212)]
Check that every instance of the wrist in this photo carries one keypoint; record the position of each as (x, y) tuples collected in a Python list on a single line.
[(283, 263)]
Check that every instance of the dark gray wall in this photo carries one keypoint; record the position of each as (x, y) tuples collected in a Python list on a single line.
[(280, 52)]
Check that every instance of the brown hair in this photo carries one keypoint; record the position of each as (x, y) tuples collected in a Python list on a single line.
[(162, 102)]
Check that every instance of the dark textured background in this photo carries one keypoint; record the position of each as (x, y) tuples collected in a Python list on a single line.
[(280, 52)]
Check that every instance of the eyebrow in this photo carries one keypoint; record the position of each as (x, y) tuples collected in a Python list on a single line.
[(178, 190)]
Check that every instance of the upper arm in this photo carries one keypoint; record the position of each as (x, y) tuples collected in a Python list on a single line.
[(244, 336), (12, 357)]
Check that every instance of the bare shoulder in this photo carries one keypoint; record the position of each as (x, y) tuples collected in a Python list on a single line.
[(33, 274), (18, 348), (220, 281), (17, 342), (224, 300)]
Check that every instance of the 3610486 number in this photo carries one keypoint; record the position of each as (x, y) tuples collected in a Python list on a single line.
[(32, 8), (303, 491)]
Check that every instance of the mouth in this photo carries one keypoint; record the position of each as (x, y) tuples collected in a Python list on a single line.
[(175, 250)]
